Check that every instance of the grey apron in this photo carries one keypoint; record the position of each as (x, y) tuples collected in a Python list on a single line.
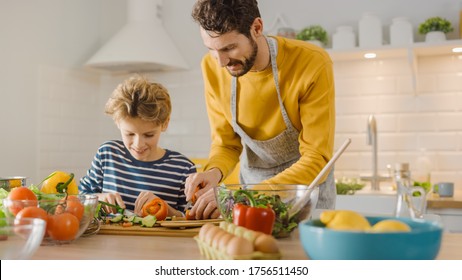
[(261, 160)]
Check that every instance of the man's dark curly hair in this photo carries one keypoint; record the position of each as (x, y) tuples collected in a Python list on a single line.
[(223, 16)]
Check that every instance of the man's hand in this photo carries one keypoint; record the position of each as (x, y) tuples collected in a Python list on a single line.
[(206, 180), (205, 207)]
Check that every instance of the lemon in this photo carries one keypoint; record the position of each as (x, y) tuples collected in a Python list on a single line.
[(344, 220), (390, 225), (49, 185)]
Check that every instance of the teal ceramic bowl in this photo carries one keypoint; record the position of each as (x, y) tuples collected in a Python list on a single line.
[(421, 243)]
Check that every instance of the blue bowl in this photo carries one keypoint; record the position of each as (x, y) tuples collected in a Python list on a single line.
[(423, 242)]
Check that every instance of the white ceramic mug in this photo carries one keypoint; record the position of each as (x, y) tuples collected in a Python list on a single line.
[(446, 189)]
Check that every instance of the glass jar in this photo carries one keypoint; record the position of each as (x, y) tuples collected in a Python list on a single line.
[(407, 205)]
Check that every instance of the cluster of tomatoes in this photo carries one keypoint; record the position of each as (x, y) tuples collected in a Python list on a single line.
[(62, 217)]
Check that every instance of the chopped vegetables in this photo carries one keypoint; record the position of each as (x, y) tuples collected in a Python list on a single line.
[(128, 221)]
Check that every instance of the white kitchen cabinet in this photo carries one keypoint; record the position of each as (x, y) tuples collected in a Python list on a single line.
[(411, 53), (451, 218)]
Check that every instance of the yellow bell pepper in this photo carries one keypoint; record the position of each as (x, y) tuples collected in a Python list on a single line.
[(58, 181)]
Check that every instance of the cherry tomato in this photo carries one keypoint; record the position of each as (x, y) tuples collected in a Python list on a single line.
[(21, 197), (63, 227)]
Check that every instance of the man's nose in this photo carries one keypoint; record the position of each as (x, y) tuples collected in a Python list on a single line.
[(222, 59)]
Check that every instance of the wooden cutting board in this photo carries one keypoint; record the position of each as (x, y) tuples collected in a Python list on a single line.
[(179, 228)]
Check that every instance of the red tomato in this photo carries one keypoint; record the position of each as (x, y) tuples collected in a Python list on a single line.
[(63, 227), (32, 212), (72, 205), (22, 193), (75, 207), (18, 197)]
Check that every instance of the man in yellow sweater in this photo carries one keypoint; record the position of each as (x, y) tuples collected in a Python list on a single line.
[(270, 101)]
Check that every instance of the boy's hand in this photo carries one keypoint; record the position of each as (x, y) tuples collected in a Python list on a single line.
[(111, 198)]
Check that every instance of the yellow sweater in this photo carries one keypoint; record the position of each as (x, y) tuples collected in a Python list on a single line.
[(307, 88)]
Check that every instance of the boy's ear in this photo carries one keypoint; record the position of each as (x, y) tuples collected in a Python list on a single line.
[(165, 125)]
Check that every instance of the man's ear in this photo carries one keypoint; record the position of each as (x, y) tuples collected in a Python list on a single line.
[(257, 27)]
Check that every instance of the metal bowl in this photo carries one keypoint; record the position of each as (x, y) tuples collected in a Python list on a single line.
[(8, 183)]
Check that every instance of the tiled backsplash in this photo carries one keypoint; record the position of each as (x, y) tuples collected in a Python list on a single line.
[(73, 123)]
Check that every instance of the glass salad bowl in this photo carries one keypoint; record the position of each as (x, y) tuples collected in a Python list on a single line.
[(67, 217), (282, 198)]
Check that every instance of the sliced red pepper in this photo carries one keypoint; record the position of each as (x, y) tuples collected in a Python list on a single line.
[(156, 207), (259, 218)]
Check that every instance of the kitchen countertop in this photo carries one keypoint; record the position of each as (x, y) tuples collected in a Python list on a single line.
[(435, 201), (123, 247)]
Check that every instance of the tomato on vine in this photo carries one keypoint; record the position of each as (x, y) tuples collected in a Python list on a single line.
[(71, 204)]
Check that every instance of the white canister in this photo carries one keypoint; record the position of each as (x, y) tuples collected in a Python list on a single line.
[(344, 38), (401, 32), (370, 31)]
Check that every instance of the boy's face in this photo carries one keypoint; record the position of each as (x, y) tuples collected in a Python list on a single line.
[(141, 138)]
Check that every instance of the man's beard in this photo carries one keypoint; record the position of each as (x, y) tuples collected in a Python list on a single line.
[(247, 64)]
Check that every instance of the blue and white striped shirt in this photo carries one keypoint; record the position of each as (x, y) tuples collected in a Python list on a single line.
[(114, 169)]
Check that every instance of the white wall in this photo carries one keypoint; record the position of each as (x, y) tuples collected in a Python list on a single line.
[(51, 114)]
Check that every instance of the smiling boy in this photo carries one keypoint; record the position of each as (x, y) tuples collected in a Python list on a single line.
[(134, 170)]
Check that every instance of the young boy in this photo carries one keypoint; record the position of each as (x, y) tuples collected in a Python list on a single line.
[(133, 171)]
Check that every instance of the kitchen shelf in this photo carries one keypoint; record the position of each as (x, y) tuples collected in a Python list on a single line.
[(419, 49), (411, 53)]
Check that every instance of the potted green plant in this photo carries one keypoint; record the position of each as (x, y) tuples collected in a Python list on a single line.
[(313, 33), (435, 29)]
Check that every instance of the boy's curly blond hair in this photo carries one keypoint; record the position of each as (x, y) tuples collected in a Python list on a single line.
[(136, 97)]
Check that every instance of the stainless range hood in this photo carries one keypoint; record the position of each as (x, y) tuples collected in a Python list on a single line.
[(142, 45)]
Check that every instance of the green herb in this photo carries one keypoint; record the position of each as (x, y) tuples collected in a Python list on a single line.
[(435, 24), (313, 32), (348, 186)]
